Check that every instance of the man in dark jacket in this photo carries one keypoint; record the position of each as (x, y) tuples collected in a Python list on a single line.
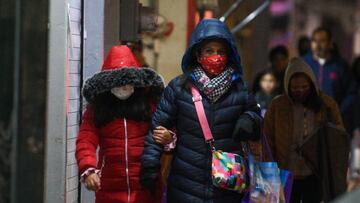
[(330, 69), (211, 64)]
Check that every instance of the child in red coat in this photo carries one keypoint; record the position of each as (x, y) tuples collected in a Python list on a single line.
[(122, 99)]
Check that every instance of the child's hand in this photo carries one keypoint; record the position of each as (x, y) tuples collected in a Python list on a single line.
[(92, 182), (162, 136)]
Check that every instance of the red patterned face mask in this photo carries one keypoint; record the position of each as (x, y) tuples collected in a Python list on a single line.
[(213, 65)]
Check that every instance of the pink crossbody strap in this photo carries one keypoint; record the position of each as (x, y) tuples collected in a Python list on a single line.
[(197, 99)]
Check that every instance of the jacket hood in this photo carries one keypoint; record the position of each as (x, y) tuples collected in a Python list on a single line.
[(120, 57), (298, 65), (213, 29), (121, 68)]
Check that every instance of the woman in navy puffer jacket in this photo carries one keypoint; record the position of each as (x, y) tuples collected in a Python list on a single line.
[(212, 64)]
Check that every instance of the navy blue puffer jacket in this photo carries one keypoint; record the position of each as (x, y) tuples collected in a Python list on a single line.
[(190, 176)]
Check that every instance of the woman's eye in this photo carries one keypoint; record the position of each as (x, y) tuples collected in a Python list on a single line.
[(222, 53), (209, 51)]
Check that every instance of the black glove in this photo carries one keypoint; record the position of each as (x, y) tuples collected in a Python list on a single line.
[(246, 129)]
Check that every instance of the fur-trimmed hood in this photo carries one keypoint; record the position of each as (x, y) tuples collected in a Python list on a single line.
[(121, 68)]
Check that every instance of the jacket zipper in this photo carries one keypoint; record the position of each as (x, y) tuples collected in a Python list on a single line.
[(127, 161)]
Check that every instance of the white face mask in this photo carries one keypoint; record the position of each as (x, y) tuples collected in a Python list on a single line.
[(123, 92)]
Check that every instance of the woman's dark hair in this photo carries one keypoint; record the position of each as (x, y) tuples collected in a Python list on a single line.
[(107, 107), (185, 78), (314, 101), (256, 85)]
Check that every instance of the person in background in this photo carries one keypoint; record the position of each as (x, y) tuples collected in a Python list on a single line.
[(293, 117), (352, 114), (265, 88), (304, 46), (211, 64), (331, 70), (279, 59)]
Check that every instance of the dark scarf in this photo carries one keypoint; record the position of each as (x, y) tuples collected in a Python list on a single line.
[(213, 88)]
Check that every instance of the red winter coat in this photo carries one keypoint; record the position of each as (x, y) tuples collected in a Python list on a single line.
[(121, 141), (121, 145)]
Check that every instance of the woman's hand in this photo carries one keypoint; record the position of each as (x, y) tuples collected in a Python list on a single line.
[(162, 135), (92, 182)]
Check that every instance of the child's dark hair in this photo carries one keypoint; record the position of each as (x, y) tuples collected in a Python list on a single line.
[(107, 107)]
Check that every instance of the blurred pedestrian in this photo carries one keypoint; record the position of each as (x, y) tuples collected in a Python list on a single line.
[(212, 65), (304, 46), (265, 88), (291, 119), (279, 59), (331, 70)]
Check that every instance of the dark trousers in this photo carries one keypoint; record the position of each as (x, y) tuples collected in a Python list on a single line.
[(307, 190)]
